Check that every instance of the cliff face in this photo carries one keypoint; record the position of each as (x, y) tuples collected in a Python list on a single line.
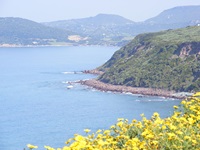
[(166, 60), (187, 49)]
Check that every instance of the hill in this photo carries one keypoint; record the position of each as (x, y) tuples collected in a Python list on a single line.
[(106, 29), (183, 14), (98, 20), (174, 18), (167, 60), (20, 31), (103, 29)]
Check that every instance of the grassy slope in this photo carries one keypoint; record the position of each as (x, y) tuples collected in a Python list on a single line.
[(167, 60)]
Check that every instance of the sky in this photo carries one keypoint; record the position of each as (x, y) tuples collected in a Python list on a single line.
[(53, 10)]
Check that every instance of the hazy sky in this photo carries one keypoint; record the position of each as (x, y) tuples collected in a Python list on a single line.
[(52, 10)]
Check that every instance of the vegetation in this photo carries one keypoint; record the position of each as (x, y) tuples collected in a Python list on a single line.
[(165, 60), (180, 131), (25, 32)]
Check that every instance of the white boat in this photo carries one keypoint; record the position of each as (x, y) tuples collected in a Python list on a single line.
[(70, 86)]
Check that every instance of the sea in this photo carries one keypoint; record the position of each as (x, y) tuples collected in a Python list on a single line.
[(39, 106)]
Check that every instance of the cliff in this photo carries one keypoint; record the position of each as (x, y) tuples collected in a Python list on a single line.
[(168, 60)]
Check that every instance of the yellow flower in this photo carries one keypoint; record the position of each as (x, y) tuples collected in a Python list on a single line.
[(191, 121), (31, 146), (98, 131), (163, 127), (142, 115), (154, 142), (49, 148), (175, 107), (112, 127), (197, 94), (156, 114), (99, 136), (100, 142), (187, 138), (149, 136), (79, 138), (160, 134), (171, 136), (87, 130), (139, 125), (68, 141), (66, 148), (172, 127), (134, 121), (194, 142), (179, 132), (183, 102), (120, 119), (120, 124), (106, 132)]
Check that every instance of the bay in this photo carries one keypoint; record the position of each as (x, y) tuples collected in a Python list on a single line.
[(36, 106)]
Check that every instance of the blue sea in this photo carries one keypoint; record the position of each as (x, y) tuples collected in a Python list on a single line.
[(36, 106)]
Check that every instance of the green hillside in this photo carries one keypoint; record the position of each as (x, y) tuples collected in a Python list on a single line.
[(25, 32), (165, 60)]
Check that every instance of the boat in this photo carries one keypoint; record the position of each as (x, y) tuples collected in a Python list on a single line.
[(69, 87)]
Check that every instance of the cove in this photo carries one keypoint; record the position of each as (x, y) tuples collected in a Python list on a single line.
[(38, 108)]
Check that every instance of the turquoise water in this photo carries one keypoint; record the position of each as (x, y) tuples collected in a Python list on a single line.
[(36, 106)]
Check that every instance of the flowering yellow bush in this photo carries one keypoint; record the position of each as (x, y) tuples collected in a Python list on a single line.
[(180, 131)]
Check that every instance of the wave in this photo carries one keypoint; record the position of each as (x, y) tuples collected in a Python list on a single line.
[(151, 100), (71, 82), (86, 79), (137, 95), (156, 100), (72, 72)]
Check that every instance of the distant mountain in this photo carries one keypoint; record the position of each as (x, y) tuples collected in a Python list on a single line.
[(98, 20), (25, 32), (116, 30), (185, 14), (162, 60), (101, 29), (173, 18)]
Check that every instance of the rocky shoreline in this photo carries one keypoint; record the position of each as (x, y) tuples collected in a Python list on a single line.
[(133, 90)]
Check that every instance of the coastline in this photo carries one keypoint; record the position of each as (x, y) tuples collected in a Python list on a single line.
[(133, 90), (94, 83)]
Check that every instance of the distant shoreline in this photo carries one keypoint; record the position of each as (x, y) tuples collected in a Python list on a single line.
[(21, 46), (94, 83)]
